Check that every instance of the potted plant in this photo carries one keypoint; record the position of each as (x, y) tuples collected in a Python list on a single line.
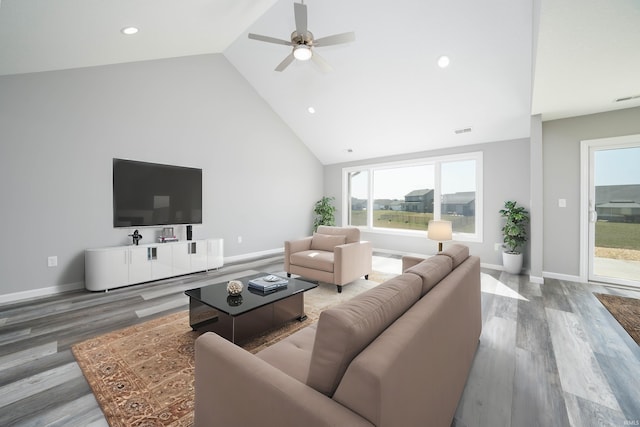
[(515, 235), (325, 212)]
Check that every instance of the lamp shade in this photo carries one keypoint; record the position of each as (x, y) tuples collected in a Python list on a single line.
[(440, 231)]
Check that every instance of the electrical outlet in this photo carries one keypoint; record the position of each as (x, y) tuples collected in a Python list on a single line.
[(239, 239), (52, 261), (497, 247)]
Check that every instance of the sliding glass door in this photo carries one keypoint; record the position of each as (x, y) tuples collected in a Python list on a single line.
[(613, 210)]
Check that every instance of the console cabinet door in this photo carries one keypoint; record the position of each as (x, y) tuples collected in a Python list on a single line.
[(106, 268), (181, 259), (215, 255), (198, 253), (162, 262), (139, 265)]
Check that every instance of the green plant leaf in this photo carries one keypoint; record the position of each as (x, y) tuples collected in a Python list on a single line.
[(514, 230), (325, 212)]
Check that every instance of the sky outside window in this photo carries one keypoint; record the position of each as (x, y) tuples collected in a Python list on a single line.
[(396, 183), (619, 166)]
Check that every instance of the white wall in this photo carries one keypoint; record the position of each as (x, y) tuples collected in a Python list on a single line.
[(561, 148), (60, 130), (506, 177)]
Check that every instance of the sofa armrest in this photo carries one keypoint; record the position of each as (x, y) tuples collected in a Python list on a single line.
[(409, 261), (351, 261), (235, 388), (293, 246)]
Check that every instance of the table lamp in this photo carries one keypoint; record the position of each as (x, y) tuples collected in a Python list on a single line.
[(439, 231)]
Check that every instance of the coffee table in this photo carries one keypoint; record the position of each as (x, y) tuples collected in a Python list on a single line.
[(249, 314)]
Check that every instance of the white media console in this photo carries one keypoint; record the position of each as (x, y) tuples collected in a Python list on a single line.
[(114, 267)]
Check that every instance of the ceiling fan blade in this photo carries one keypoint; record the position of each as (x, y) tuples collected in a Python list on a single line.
[(269, 39), (300, 12), (335, 39), (321, 63), (285, 63)]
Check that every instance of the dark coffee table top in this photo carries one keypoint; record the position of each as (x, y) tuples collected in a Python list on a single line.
[(216, 296)]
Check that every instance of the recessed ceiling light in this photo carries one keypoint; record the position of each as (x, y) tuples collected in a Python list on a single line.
[(311, 110), (443, 61), (129, 31)]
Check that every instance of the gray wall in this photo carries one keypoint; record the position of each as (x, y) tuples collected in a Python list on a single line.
[(506, 177), (60, 130), (561, 148)]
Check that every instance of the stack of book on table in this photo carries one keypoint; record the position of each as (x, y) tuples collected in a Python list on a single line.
[(268, 283)]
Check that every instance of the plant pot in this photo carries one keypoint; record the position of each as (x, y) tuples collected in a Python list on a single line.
[(512, 262)]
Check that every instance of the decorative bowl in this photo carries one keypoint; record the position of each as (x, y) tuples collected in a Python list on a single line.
[(234, 287)]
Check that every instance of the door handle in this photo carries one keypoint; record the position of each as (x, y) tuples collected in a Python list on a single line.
[(593, 216)]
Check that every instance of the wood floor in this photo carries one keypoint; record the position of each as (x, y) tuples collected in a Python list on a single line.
[(549, 355)]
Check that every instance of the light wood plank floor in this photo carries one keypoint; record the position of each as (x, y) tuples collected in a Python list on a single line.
[(549, 355)]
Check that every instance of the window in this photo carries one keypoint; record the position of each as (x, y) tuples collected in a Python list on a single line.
[(458, 184), (403, 197), (358, 197)]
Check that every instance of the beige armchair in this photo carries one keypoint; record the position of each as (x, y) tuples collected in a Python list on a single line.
[(333, 255)]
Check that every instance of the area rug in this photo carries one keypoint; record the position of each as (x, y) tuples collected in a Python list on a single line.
[(143, 375), (626, 311)]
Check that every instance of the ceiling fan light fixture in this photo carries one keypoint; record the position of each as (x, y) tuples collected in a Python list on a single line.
[(302, 52)]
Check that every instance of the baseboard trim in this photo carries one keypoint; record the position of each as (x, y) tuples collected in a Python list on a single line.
[(41, 292), (492, 266), (536, 279), (558, 276), (253, 255)]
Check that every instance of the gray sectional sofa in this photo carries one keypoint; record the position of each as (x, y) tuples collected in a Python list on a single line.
[(396, 355)]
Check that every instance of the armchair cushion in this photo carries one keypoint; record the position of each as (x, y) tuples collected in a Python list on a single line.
[(315, 260), (326, 242), (351, 233)]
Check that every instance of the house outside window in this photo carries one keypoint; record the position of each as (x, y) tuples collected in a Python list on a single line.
[(402, 197)]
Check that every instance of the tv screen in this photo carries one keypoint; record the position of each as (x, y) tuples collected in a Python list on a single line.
[(153, 194)]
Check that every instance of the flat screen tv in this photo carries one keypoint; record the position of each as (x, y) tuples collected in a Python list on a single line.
[(147, 194)]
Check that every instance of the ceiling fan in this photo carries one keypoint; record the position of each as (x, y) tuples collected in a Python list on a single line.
[(303, 42)]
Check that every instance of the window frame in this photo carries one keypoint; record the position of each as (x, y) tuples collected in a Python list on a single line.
[(436, 161)]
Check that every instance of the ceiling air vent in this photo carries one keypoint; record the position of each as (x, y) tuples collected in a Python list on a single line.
[(462, 130), (627, 98)]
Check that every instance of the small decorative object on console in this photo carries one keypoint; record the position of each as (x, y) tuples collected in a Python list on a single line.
[(234, 287), (136, 237), (167, 235)]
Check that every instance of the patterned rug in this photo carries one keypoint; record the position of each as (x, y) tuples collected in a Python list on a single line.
[(626, 311), (143, 375)]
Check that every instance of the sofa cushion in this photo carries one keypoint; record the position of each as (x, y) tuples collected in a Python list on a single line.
[(431, 271), (457, 252), (292, 355), (326, 242), (344, 331), (316, 260)]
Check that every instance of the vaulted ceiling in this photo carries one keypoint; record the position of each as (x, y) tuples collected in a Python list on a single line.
[(386, 95)]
